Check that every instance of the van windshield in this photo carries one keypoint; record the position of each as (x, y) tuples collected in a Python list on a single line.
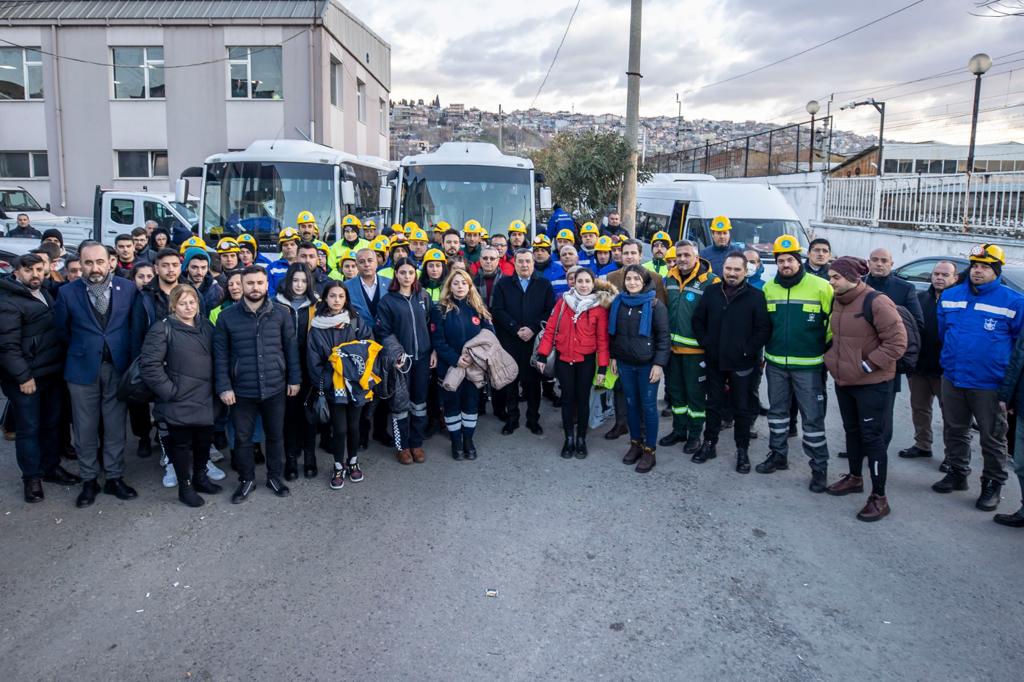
[(18, 200), (753, 233)]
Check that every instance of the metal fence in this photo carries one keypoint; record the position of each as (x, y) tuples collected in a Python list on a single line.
[(984, 203), (789, 149)]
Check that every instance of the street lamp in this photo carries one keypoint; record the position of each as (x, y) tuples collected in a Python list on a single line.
[(812, 108), (880, 108), (978, 65)]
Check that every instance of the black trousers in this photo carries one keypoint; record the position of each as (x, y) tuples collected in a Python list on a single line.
[(189, 450), (529, 379), (138, 416), (299, 434), (731, 394), (864, 410), (243, 415), (575, 380), (345, 431)]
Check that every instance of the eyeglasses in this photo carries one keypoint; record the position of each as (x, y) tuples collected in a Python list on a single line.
[(488, 258)]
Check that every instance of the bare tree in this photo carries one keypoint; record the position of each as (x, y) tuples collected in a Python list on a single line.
[(998, 9)]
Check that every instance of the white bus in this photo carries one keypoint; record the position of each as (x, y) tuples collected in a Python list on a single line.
[(262, 190), (467, 181)]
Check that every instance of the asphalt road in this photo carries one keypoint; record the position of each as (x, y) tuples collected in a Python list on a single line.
[(690, 572)]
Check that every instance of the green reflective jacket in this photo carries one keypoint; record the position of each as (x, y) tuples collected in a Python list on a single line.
[(683, 296), (800, 322)]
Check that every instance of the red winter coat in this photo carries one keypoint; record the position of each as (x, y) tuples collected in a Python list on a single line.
[(574, 341)]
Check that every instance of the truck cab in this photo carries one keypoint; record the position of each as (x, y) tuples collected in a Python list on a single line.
[(116, 212), (15, 199)]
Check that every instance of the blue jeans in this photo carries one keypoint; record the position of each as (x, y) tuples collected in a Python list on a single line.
[(35, 420), (641, 402)]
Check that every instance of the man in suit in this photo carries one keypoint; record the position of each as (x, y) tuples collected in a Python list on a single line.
[(521, 304), (366, 290), (93, 318)]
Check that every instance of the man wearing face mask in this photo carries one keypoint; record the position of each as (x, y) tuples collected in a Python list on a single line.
[(755, 269)]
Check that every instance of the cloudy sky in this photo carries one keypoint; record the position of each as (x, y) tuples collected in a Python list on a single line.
[(486, 53)]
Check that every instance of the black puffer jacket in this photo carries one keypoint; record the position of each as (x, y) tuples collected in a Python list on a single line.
[(405, 319), (931, 343), (732, 332), (29, 346), (177, 364), (628, 346), (301, 318), (322, 340), (255, 353)]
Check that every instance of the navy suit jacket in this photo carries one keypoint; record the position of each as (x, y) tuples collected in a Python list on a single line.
[(358, 297), (81, 331)]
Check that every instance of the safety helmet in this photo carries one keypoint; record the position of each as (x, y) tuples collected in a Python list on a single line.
[(398, 240), (381, 245), (305, 217), (246, 239), (485, 234), (786, 243), (370, 223), (721, 224), (347, 254), (288, 234), (671, 253), (434, 256), (541, 241), (987, 253), (410, 225), (621, 239), (604, 243), (321, 246), (517, 226), (589, 228), (661, 236), (472, 227), (398, 228), (351, 220), (192, 243), (442, 226), (227, 245), (417, 234), (566, 233)]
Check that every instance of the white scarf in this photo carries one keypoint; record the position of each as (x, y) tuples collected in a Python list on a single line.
[(578, 303), (331, 321)]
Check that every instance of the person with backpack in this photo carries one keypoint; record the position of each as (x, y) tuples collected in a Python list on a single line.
[(862, 360)]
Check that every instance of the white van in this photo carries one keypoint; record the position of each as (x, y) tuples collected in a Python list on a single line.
[(684, 204)]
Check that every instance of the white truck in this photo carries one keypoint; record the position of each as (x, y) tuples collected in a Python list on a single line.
[(114, 212), (466, 181)]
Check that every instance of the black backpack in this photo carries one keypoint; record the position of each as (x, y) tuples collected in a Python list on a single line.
[(908, 362)]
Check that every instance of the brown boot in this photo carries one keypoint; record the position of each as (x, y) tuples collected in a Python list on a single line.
[(634, 452), (405, 456), (847, 483), (876, 508), (419, 456), (646, 462)]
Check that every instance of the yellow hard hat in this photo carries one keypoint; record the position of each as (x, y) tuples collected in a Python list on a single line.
[(227, 245), (442, 226), (398, 240), (485, 234), (987, 253), (621, 239), (566, 233), (472, 227), (434, 256), (721, 224), (410, 225), (541, 241), (351, 220), (517, 226), (604, 243), (288, 234), (417, 234), (246, 238), (347, 254), (671, 253), (661, 236), (192, 242), (786, 243), (369, 223), (305, 217), (398, 228), (381, 245), (320, 246), (589, 228)]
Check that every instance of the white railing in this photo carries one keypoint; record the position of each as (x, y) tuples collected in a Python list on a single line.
[(993, 203)]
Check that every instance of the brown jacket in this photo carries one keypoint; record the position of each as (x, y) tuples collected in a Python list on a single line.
[(488, 361), (657, 283), (854, 340)]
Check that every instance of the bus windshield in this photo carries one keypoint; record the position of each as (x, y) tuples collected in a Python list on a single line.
[(262, 198), (495, 196)]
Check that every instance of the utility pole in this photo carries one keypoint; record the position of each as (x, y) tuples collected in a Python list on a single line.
[(628, 209), (501, 130)]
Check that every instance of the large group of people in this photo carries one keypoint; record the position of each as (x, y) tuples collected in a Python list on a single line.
[(204, 350)]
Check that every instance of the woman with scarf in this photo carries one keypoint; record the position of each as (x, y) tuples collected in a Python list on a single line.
[(578, 329), (336, 322), (457, 318), (639, 347), (296, 294), (160, 239)]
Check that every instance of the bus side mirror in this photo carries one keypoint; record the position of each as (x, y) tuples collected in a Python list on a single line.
[(545, 199), (181, 190), (348, 192), (384, 202)]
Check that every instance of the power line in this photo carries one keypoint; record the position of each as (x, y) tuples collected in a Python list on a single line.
[(804, 51), (557, 50)]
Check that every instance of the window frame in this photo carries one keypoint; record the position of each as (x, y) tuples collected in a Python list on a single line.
[(247, 62), (26, 64), (148, 65), (383, 116), (151, 163), (337, 85), (360, 101), (31, 164)]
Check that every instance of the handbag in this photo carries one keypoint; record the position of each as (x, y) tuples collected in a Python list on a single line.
[(130, 387), (549, 363), (318, 411)]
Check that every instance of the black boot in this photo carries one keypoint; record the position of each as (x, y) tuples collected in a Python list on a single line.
[(742, 461), (187, 494), (291, 467), (989, 498), (309, 469), (772, 463), (819, 480), (671, 439), (952, 481), (202, 484), (1015, 520), (457, 451), (705, 452), (581, 443), (468, 447), (692, 445), (145, 447), (569, 447)]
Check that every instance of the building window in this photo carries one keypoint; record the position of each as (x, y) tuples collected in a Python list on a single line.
[(142, 164), (24, 165), (336, 82), (122, 211), (383, 120), (138, 72), (891, 165), (21, 73), (361, 100), (255, 72)]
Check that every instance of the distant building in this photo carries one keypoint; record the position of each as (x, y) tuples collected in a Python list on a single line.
[(933, 158)]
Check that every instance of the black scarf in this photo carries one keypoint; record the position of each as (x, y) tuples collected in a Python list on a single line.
[(791, 281)]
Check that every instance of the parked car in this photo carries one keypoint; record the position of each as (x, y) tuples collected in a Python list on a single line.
[(12, 247), (919, 271)]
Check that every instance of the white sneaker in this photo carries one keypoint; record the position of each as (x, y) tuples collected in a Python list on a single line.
[(164, 460), (215, 455), (215, 473), (170, 478)]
